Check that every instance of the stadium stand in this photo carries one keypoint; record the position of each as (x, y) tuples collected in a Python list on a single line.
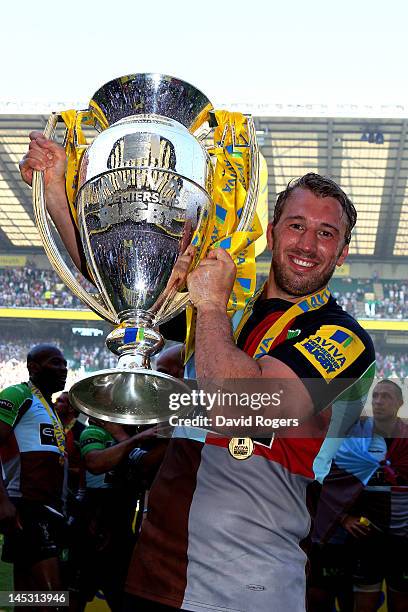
[(41, 288), (29, 287)]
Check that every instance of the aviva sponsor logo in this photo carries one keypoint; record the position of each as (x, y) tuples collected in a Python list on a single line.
[(331, 350)]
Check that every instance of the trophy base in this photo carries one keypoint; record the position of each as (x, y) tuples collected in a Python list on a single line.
[(127, 396)]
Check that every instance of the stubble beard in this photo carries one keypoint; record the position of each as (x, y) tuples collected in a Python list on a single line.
[(298, 286)]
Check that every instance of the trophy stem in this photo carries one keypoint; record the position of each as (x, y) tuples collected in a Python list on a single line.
[(134, 361), (135, 340)]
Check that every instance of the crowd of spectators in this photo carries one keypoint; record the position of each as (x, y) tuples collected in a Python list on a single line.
[(81, 357), (30, 287), (350, 294), (372, 298), (88, 357), (394, 304), (392, 366)]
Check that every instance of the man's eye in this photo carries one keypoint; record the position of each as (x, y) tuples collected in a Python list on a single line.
[(296, 226), (326, 234)]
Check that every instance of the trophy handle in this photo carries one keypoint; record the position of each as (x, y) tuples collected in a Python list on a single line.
[(251, 200), (51, 249)]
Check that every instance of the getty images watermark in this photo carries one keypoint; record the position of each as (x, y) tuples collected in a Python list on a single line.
[(203, 400)]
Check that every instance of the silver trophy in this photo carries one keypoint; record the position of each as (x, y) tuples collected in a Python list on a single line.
[(144, 192)]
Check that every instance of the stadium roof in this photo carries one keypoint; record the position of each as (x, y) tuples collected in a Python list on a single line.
[(367, 156)]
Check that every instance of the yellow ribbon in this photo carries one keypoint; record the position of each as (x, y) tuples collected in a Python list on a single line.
[(231, 179), (262, 208), (306, 304), (55, 420), (75, 147)]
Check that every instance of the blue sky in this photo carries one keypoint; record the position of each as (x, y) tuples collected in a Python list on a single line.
[(265, 52)]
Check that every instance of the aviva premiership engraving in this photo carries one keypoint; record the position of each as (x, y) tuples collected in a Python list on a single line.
[(142, 195)]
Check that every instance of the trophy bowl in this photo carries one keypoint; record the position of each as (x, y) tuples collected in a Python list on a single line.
[(143, 196)]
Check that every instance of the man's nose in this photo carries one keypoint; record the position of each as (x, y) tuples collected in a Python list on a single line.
[(307, 241)]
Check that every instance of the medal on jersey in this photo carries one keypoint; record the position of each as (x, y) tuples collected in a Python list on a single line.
[(241, 448), (59, 433)]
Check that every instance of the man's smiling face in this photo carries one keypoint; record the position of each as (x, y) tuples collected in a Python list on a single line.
[(307, 243)]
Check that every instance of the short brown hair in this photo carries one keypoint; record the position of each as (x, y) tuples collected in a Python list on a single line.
[(395, 386), (323, 187)]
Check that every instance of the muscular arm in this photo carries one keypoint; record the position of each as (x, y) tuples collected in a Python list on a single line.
[(49, 157), (5, 431), (100, 461), (8, 513), (60, 213), (217, 357)]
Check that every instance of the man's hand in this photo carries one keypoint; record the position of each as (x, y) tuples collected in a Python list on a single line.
[(100, 461), (212, 281), (147, 434), (179, 273), (9, 520), (354, 527), (47, 156), (118, 432), (115, 429)]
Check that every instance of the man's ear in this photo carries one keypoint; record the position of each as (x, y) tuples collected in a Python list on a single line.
[(269, 235), (400, 403), (343, 255)]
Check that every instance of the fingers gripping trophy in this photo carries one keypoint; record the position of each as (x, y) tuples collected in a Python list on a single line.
[(149, 200)]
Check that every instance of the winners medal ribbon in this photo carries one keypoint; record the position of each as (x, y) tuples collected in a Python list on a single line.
[(242, 448), (55, 420), (306, 304)]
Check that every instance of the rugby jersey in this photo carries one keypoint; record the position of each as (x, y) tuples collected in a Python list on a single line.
[(30, 456), (369, 477), (96, 438), (223, 535)]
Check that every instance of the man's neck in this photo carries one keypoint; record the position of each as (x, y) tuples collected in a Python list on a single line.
[(47, 394), (273, 291), (385, 428)]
